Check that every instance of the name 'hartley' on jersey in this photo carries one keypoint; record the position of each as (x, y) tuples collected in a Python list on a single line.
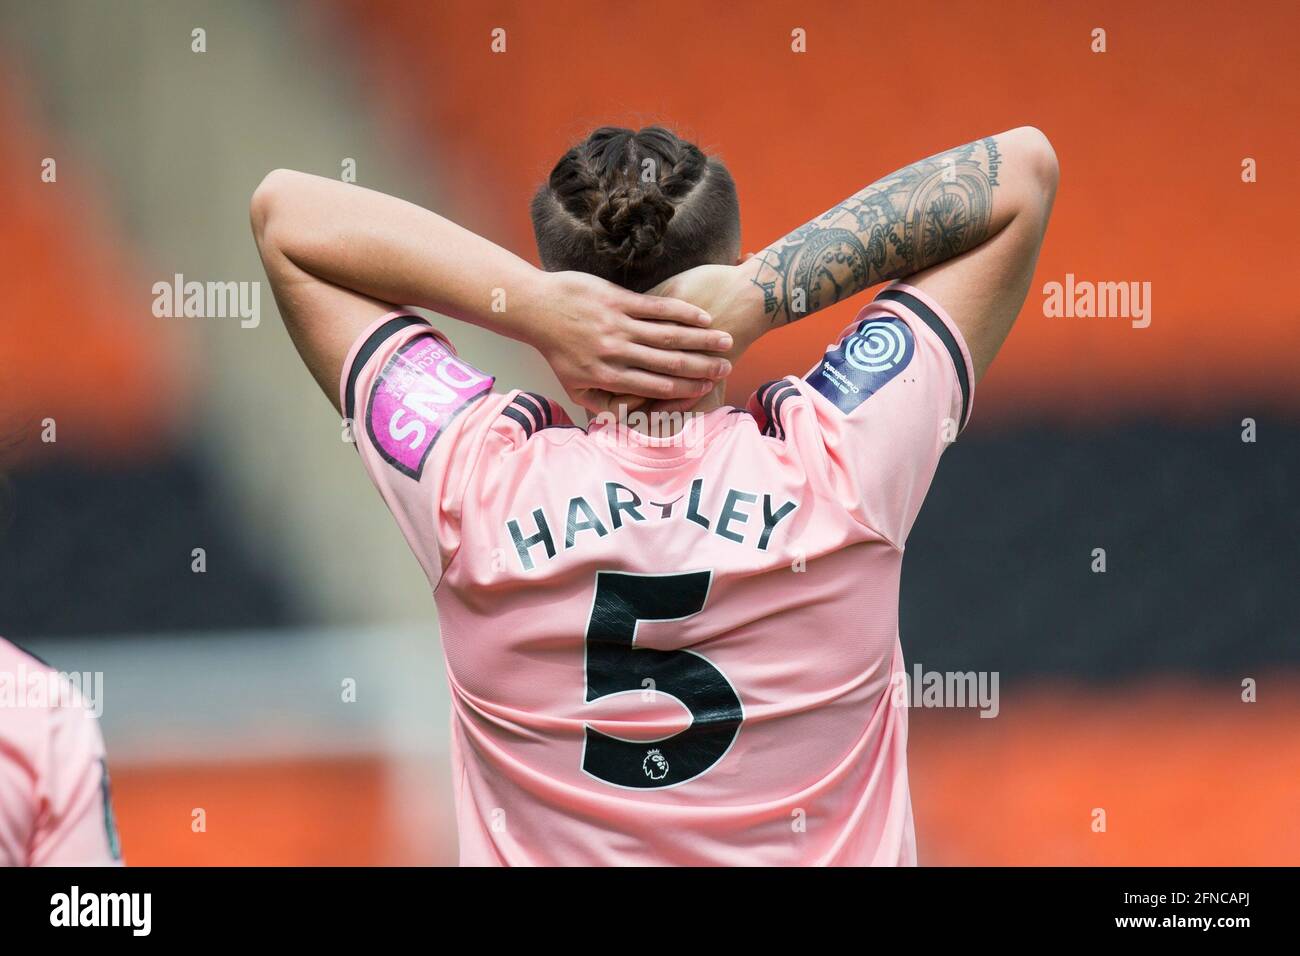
[(536, 538)]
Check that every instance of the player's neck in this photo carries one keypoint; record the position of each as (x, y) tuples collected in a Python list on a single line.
[(670, 423), (655, 418), (712, 400)]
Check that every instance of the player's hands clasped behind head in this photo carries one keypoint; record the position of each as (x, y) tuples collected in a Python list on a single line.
[(600, 337), (725, 293)]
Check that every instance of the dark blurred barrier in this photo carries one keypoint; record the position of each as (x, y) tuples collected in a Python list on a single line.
[(1199, 529), (108, 547)]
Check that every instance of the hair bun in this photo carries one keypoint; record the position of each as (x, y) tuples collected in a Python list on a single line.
[(630, 221)]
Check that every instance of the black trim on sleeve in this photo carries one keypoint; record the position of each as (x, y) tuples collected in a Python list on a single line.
[(940, 328), (547, 419), (534, 413), (377, 338), (772, 401), (763, 389), (524, 420), (525, 401), (759, 398), (776, 408)]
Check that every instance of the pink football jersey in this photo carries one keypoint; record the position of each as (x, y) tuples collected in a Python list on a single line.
[(671, 650), (55, 805)]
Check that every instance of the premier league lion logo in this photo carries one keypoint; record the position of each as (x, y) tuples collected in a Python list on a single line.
[(655, 765)]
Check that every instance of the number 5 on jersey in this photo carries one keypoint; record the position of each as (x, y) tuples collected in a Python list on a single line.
[(615, 665)]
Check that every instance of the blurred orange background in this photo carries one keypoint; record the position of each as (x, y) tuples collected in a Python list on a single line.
[(1150, 135)]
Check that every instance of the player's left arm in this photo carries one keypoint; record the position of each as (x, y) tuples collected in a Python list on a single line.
[(965, 226), (337, 254)]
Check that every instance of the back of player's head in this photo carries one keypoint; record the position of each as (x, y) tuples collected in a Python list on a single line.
[(636, 207)]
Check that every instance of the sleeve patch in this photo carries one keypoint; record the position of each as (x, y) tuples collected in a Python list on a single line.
[(421, 388), (863, 362)]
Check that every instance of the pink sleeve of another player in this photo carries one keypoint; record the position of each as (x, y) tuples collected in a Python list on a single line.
[(418, 423), (74, 810), (897, 388)]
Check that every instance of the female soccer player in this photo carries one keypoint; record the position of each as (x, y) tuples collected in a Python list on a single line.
[(55, 804), (666, 649)]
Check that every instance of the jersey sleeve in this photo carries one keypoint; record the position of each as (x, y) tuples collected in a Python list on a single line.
[(417, 417), (74, 817), (890, 394)]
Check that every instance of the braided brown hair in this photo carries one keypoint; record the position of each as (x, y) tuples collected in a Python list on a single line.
[(636, 207)]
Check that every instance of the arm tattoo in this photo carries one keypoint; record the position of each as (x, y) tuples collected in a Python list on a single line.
[(921, 215)]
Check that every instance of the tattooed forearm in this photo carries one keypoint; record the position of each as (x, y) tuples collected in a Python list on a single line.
[(916, 217)]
